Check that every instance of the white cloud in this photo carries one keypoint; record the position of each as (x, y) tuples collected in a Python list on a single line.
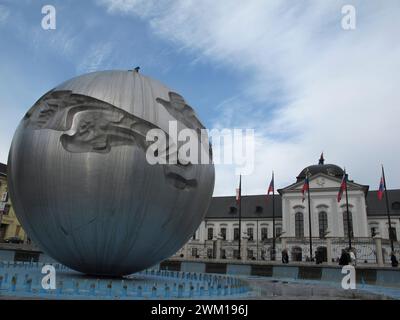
[(4, 14), (62, 40), (334, 90), (96, 58)]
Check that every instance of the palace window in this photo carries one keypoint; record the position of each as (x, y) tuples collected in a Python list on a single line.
[(323, 223), (209, 253), (264, 234), (392, 233), (6, 209), (299, 225), (223, 233), (4, 197), (250, 234), (347, 226), (210, 233), (194, 252), (278, 232), (374, 228), (236, 234), (194, 236)]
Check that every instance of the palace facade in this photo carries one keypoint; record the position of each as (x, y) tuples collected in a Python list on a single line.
[(218, 235)]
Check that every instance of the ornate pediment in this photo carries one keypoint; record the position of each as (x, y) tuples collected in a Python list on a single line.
[(323, 182)]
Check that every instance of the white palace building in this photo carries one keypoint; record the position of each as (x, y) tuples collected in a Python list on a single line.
[(218, 235)]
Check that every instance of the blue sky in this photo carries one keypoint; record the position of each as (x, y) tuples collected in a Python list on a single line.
[(84, 42), (287, 70)]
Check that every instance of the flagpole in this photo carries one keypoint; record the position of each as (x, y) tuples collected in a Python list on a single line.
[(388, 210), (347, 208), (309, 218), (273, 218), (240, 215)]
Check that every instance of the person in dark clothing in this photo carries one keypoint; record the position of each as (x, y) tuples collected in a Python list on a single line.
[(285, 256), (344, 258), (395, 263)]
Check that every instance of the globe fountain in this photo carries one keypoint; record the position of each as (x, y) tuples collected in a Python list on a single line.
[(81, 184)]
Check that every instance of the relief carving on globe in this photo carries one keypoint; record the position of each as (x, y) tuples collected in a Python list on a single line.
[(92, 125)]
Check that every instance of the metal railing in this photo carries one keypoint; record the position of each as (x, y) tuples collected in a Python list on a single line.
[(298, 249)]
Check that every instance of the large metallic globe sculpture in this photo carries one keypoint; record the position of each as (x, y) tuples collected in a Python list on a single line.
[(82, 186)]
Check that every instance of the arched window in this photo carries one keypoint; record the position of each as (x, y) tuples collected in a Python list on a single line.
[(323, 223), (299, 225), (347, 226)]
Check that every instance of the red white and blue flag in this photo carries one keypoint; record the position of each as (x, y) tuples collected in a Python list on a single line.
[(271, 185), (239, 191), (342, 187), (306, 187), (381, 188)]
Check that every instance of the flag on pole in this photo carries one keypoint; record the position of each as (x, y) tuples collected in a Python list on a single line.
[(237, 195), (239, 191), (381, 188), (342, 187), (306, 187), (271, 185)]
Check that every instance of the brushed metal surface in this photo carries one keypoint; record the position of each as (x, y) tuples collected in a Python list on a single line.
[(80, 182)]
